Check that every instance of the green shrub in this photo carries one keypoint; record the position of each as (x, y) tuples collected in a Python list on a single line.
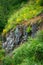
[(7, 61), (7, 7), (39, 52), (30, 53), (41, 2), (39, 36), (2, 53)]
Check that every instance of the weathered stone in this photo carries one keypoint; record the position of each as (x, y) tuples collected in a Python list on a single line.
[(34, 29)]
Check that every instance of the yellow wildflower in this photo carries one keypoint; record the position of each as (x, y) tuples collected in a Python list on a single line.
[(18, 19), (4, 31), (24, 15)]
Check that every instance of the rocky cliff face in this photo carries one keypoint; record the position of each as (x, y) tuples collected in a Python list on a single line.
[(19, 35)]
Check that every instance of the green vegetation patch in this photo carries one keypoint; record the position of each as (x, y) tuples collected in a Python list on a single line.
[(26, 12), (30, 53)]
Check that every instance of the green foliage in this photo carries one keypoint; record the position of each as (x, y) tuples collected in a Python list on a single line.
[(26, 12), (30, 53), (40, 36), (7, 61), (28, 29), (2, 18), (39, 53), (6, 9), (40, 2), (2, 51), (15, 10)]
